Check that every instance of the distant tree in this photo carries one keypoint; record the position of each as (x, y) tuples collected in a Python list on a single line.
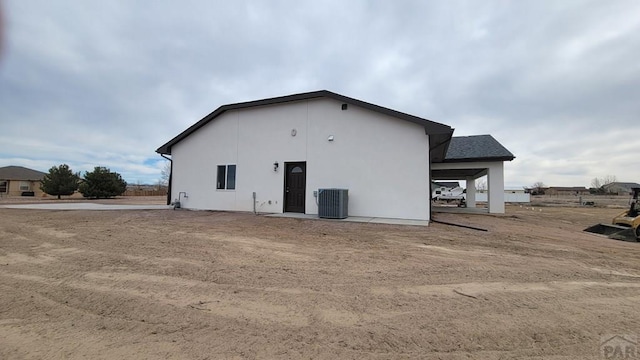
[(481, 185), (609, 179), (102, 183), (599, 184), (60, 181), (165, 173), (538, 188)]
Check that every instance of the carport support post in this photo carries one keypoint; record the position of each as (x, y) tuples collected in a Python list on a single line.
[(471, 192), (495, 178)]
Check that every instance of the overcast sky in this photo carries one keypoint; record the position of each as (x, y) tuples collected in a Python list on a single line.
[(104, 83)]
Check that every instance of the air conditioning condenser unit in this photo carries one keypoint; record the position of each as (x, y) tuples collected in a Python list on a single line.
[(333, 203)]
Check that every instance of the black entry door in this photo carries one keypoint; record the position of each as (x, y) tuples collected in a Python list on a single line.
[(295, 186)]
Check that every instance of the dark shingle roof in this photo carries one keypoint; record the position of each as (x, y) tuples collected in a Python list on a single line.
[(439, 133), (20, 173), (476, 148)]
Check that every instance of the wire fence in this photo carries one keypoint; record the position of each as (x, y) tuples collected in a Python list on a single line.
[(161, 192)]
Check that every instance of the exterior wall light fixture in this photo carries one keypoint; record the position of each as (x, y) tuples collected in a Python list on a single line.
[(275, 166)]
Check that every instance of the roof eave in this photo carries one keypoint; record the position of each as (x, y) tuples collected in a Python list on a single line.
[(439, 145), (488, 159)]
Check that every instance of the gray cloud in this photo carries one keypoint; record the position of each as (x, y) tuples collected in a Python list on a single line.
[(105, 83)]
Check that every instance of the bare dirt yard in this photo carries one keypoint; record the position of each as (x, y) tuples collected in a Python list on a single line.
[(164, 284)]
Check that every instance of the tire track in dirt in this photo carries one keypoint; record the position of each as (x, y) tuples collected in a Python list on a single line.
[(477, 289), (265, 305)]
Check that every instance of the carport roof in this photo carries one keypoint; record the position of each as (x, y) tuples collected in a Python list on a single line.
[(471, 149), (476, 148), (445, 174)]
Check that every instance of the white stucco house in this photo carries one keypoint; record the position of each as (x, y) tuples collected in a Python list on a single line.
[(273, 155)]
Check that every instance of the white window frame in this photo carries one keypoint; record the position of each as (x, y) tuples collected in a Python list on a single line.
[(223, 184)]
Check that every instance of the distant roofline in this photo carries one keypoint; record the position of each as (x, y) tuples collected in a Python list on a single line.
[(621, 183), (13, 172)]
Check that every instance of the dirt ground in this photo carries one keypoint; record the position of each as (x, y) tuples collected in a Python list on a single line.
[(164, 284)]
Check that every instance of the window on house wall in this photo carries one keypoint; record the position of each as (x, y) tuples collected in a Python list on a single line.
[(226, 179), (25, 186), (3, 186), (231, 177), (221, 182)]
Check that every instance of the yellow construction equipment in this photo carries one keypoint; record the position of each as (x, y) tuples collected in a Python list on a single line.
[(626, 225)]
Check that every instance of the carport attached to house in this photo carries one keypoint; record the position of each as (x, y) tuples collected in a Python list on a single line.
[(470, 158)]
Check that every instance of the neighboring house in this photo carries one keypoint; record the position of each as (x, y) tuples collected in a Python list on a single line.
[(620, 188), (571, 190), (274, 155), (18, 180)]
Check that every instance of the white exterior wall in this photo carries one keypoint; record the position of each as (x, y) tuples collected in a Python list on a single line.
[(383, 161)]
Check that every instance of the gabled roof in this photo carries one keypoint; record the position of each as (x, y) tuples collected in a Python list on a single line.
[(439, 133), (624, 185), (476, 148), (20, 173)]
